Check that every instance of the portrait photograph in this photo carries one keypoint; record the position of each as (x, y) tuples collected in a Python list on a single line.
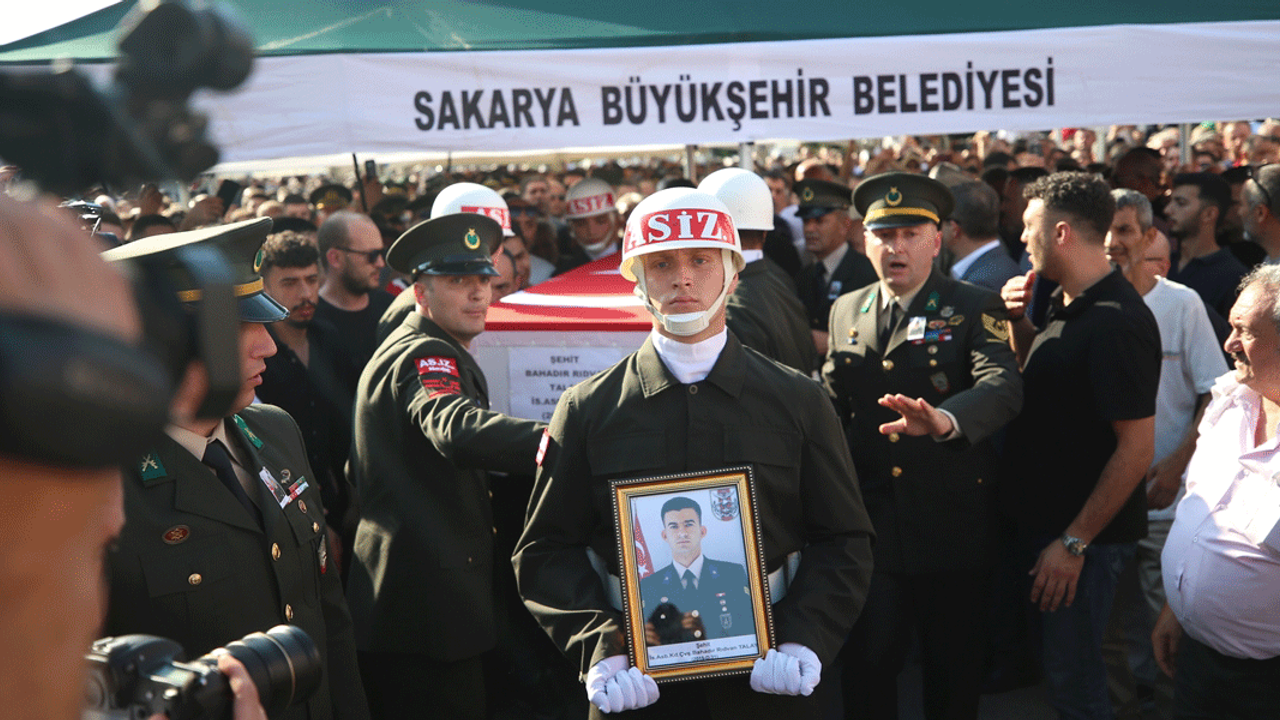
[(693, 585)]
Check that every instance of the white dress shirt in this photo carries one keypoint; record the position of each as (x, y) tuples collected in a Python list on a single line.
[(1222, 559)]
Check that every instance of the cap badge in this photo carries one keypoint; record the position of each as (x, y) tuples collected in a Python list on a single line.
[(806, 195), (893, 198), (257, 260), (472, 239)]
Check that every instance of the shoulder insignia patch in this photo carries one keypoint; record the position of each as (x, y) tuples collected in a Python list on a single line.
[(996, 327), (439, 376), (150, 467), (244, 428)]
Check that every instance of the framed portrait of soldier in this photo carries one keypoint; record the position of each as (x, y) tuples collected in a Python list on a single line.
[(693, 585)]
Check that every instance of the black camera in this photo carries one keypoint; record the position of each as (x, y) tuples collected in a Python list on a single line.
[(136, 676)]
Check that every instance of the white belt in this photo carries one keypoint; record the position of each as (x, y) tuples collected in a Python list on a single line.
[(778, 580)]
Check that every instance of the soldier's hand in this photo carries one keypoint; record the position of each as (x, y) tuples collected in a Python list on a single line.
[(614, 687), (1017, 295), (918, 417), (1056, 574)]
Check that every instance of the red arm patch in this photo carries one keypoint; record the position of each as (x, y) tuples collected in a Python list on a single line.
[(439, 376)]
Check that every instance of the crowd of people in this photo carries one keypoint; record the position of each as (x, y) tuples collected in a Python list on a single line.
[(982, 382)]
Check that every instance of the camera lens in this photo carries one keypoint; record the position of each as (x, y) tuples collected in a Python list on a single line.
[(284, 665)]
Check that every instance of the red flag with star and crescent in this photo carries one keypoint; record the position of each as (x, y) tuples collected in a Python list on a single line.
[(644, 563)]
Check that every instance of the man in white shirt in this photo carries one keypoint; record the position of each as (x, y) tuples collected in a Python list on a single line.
[(1221, 626), (1191, 363)]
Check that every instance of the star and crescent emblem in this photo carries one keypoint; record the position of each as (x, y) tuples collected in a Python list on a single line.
[(472, 239), (893, 198)]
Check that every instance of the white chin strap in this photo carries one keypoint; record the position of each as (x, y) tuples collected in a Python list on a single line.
[(685, 324)]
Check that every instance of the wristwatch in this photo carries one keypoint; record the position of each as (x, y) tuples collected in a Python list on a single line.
[(1074, 545)]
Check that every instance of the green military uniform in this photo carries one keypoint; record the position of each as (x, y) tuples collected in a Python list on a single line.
[(720, 599), (932, 502), (201, 566), (770, 319), (421, 586), (192, 564), (635, 419), (424, 436)]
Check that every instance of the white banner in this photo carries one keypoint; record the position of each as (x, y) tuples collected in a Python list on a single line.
[(813, 90)]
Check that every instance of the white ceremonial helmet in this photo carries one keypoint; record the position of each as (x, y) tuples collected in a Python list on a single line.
[(466, 197), (589, 197), (745, 194), (675, 219)]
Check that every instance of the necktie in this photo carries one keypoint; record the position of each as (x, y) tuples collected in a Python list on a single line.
[(890, 324), (690, 582), (820, 280), (216, 457)]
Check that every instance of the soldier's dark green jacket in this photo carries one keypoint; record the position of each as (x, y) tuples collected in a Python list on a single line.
[(634, 420), (769, 318), (192, 565), (422, 578), (932, 503)]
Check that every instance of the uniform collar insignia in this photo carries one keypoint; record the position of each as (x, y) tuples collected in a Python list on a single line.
[(932, 303), (150, 467), (866, 304), (244, 428)]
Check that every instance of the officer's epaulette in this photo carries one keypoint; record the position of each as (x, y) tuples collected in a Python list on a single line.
[(151, 469), (244, 428)]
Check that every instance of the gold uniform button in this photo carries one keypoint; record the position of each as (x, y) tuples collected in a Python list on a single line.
[(979, 481), (288, 613), (893, 437), (897, 471), (933, 350), (887, 365), (848, 361), (933, 363), (275, 551), (302, 505), (315, 527), (693, 389), (194, 579)]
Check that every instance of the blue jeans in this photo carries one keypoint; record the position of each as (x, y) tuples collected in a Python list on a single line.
[(1072, 636)]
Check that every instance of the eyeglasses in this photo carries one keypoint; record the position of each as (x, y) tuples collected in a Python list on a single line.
[(370, 255)]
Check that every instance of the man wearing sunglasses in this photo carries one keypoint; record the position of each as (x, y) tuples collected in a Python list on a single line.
[(352, 254)]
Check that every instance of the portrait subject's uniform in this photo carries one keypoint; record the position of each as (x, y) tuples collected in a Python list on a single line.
[(720, 598)]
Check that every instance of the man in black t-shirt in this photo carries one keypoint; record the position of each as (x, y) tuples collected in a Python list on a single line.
[(352, 253), (1077, 454)]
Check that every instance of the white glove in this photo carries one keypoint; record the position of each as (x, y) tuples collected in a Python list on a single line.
[(791, 669), (613, 687)]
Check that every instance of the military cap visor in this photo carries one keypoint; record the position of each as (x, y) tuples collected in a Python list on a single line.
[(819, 197), (241, 247), (454, 244), (331, 196), (894, 200)]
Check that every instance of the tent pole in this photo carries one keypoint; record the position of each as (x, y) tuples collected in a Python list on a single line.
[(746, 159), (1184, 143), (690, 167)]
